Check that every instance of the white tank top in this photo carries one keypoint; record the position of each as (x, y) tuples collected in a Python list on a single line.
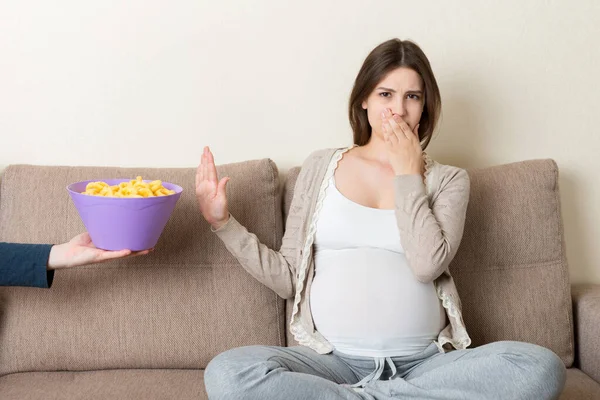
[(364, 298)]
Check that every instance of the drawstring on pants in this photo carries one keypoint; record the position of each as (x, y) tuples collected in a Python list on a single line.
[(376, 374)]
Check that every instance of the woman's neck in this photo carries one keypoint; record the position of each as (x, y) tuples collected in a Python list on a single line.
[(375, 150)]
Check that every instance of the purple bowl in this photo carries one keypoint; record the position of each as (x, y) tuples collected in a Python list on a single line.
[(123, 223)]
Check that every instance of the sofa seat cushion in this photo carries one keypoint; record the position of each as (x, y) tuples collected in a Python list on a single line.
[(129, 384), (580, 386), (181, 384)]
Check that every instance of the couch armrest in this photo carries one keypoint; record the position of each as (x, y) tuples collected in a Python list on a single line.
[(586, 312)]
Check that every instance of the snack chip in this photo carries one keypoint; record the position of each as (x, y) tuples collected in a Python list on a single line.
[(134, 188)]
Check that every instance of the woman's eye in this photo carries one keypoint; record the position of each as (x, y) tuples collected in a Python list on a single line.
[(385, 94), (413, 96)]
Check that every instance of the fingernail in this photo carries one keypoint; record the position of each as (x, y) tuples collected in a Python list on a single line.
[(383, 114)]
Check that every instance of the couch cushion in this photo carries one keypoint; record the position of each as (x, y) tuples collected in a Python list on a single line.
[(169, 384), (579, 386), (510, 270), (133, 384), (175, 308), (586, 299)]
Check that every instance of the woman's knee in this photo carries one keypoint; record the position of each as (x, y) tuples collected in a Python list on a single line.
[(227, 373), (552, 373), (545, 370), (216, 376)]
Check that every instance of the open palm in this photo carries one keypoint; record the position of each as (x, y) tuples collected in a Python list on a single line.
[(81, 251), (211, 192)]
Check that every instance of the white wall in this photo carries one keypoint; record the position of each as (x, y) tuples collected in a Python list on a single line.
[(148, 83)]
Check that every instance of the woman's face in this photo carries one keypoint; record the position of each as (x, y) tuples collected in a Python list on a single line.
[(402, 92)]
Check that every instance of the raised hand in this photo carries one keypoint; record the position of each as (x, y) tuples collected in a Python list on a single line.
[(211, 193)]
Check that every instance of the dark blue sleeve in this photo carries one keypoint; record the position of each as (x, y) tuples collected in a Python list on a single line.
[(25, 265)]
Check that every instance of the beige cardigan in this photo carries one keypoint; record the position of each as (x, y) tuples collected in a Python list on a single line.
[(430, 214)]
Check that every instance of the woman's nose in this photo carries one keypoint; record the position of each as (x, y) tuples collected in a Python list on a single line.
[(399, 109)]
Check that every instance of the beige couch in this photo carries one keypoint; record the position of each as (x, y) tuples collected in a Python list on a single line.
[(144, 328)]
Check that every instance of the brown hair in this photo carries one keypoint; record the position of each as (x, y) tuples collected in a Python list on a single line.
[(383, 59)]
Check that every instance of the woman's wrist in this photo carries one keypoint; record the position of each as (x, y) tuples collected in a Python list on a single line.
[(219, 224), (407, 172)]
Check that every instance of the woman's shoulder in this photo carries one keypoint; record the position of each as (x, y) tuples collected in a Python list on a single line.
[(322, 157), (316, 164)]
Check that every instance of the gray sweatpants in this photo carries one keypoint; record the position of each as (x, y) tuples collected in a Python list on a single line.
[(500, 370)]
